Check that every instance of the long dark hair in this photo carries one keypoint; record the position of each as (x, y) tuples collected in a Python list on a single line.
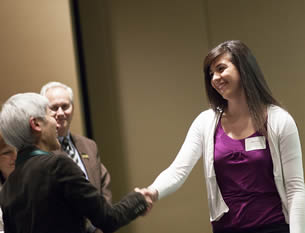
[(258, 94)]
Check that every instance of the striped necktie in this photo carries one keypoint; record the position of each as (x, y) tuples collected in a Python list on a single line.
[(66, 146)]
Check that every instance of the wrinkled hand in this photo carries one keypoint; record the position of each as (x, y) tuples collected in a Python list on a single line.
[(151, 196)]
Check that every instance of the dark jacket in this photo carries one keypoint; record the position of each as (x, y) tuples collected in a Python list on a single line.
[(48, 193), (97, 172)]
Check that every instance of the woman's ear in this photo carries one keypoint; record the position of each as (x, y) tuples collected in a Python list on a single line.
[(35, 124)]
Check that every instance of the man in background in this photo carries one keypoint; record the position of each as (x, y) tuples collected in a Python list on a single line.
[(81, 149)]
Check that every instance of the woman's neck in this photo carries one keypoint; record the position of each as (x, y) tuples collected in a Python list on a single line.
[(237, 108)]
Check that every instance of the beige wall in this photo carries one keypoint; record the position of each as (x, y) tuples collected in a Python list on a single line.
[(144, 62), (36, 45), (158, 53)]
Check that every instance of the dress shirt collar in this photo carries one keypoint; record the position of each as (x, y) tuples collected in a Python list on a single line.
[(61, 138)]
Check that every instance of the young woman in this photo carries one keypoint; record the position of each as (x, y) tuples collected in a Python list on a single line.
[(250, 147)]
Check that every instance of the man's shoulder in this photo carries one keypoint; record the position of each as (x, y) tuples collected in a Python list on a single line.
[(80, 138), (84, 145), (47, 163), (55, 157)]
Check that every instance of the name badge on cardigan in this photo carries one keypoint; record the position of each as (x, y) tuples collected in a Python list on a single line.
[(255, 143)]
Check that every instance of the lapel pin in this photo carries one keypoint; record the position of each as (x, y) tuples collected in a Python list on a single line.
[(85, 156)]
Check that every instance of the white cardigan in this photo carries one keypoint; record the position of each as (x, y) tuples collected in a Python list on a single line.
[(286, 155)]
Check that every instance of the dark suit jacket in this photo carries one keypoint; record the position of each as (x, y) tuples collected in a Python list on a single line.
[(97, 172), (48, 193)]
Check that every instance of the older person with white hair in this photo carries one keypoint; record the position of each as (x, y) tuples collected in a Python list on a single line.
[(83, 150), (48, 192)]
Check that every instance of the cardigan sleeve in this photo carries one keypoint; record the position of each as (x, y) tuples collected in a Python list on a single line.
[(291, 158), (175, 175)]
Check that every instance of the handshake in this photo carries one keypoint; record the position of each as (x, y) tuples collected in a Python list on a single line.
[(151, 196)]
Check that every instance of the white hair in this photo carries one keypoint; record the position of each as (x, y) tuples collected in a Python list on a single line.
[(51, 85), (15, 118)]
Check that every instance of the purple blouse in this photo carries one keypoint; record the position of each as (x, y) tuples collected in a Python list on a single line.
[(246, 182)]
